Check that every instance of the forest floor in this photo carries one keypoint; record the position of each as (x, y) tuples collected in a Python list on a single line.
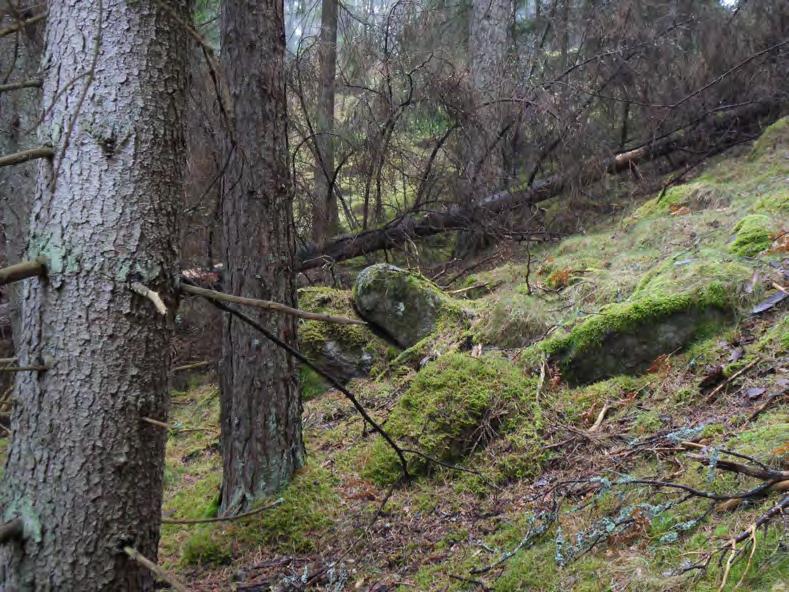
[(547, 493)]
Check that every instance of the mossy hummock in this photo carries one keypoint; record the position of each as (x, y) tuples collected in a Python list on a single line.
[(455, 405)]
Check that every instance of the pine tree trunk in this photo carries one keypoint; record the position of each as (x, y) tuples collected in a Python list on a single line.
[(260, 404), (489, 45), (84, 472), (325, 214), (20, 55)]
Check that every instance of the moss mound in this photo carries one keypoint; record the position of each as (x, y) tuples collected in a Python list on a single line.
[(294, 526), (454, 406), (753, 235)]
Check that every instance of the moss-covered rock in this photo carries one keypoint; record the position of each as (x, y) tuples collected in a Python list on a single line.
[(626, 338), (753, 235), (405, 306), (455, 405), (345, 351)]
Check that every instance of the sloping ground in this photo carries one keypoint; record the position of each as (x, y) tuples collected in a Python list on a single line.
[(544, 440)]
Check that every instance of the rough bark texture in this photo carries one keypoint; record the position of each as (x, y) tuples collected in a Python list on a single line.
[(83, 471), (20, 55), (489, 45), (260, 405), (325, 215), (715, 134)]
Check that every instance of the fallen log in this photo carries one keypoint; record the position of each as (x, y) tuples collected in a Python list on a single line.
[(724, 127)]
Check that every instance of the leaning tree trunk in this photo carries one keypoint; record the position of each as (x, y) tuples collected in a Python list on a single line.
[(325, 214), (260, 405), (84, 471)]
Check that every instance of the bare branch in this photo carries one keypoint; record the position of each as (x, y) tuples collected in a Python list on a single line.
[(274, 504), (154, 297), (34, 83), (25, 155), (22, 24), (267, 305), (22, 270), (161, 573)]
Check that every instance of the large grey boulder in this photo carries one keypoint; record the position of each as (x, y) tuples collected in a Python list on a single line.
[(403, 305)]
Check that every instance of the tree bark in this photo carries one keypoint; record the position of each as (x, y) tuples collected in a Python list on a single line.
[(20, 55), (325, 217), (260, 404), (724, 130), (489, 46), (84, 472)]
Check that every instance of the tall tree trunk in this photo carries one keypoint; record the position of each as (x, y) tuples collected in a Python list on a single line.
[(489, 45), (325, 215), (260, 405), (84, 472), (20, 55)]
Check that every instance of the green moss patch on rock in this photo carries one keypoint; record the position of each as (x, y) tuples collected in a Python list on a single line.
[(454, 406), (626, 338), (753, 235), (405, 306), (345, 351)]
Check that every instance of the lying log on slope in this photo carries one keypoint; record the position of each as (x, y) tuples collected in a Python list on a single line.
[(713, 134)]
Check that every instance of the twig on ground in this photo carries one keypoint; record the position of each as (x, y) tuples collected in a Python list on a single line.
[(711, 397), (274, 504)]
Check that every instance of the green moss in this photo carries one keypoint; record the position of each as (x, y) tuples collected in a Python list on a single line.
[(774, 136), (344, 350), (454, 405), (311, 383), (205, 548), (512, 319), (647, 422), (295, 526), (626, 338), (753, 235)]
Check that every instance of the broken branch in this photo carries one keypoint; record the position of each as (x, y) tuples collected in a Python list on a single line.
[(12, 530), (162, 574), (22, 270), (328, 376), (34, 83), (25, 155), (22, 24), (266, 305), (154, 297)]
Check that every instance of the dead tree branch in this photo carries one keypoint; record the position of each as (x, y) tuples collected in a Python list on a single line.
[(274, 504), (266, 305), (26, 155), (326, 375), (160, 572), (22, 270)]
